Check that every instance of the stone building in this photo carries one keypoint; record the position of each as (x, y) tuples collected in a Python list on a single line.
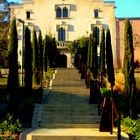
[(68, 20)]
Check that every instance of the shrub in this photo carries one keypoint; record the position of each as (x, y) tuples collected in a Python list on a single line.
[(131, 127), (10, 125)]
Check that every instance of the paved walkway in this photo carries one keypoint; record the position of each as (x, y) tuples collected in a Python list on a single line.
[(65, 113)]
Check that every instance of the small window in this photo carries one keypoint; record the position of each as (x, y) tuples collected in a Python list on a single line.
[(65, 12), (28, 14), (96, 13), (58, 12)]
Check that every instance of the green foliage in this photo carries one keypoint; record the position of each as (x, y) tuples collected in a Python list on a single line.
[(89, 52), (128, 64), (13, 65), (3, 52), (40, 45), (35, 57), (74, 48), (28, 61), (50, 52), (102, 52), (84, 48), (94, 62), (9, 125), (105, 92), (131, 127), (109, 59), (79, 50), (46, 40)]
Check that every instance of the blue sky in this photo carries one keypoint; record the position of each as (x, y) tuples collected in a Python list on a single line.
[(125, 8)]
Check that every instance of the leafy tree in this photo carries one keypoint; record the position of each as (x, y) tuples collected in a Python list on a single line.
[(128, 65), (109, 60), (74, 49), (36, 57), (13, 66), (102, 53), (28, 62)]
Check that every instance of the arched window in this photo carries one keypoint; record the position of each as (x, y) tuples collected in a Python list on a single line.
[(61, 34), (65, 12), (97, 35), (58, 12)]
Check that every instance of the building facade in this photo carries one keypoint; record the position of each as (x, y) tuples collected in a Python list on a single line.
[(120, 25), (68, 20)]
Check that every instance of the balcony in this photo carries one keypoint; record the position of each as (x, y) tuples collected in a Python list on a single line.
[(63, 44)]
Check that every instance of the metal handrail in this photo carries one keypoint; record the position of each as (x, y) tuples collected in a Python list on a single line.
[(112, 109)]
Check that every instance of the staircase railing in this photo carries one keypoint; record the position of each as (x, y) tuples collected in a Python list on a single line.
[(108, 110)]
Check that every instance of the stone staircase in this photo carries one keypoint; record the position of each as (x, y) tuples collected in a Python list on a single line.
[(67, 105), (65, 113)]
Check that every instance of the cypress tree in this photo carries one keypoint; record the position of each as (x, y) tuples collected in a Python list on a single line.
[(46, 53), (52, 51), (128, 64), (109, 60), (35, 57), (28, 62), (13, 66), (102, 53), (40, 46), (94, 67), (89, 52)]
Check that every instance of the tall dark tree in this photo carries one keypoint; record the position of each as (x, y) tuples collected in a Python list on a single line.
[(94, 90), (52, 51), (28, 62), (89, 52), (128, 64), (46, 43), (109, 60), (102, 53), (36, 57), (13, 66), (94, 67), (40, 45)]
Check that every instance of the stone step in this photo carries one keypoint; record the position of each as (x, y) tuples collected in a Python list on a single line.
[(70, 134), (61, 116), (81, 106), (65, 120), (65, 112), (44, 125)]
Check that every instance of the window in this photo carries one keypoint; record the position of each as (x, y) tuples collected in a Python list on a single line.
[(58, 12), (96, 13), (65, 12), (61, 34), (28, 15), (97, 35)]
